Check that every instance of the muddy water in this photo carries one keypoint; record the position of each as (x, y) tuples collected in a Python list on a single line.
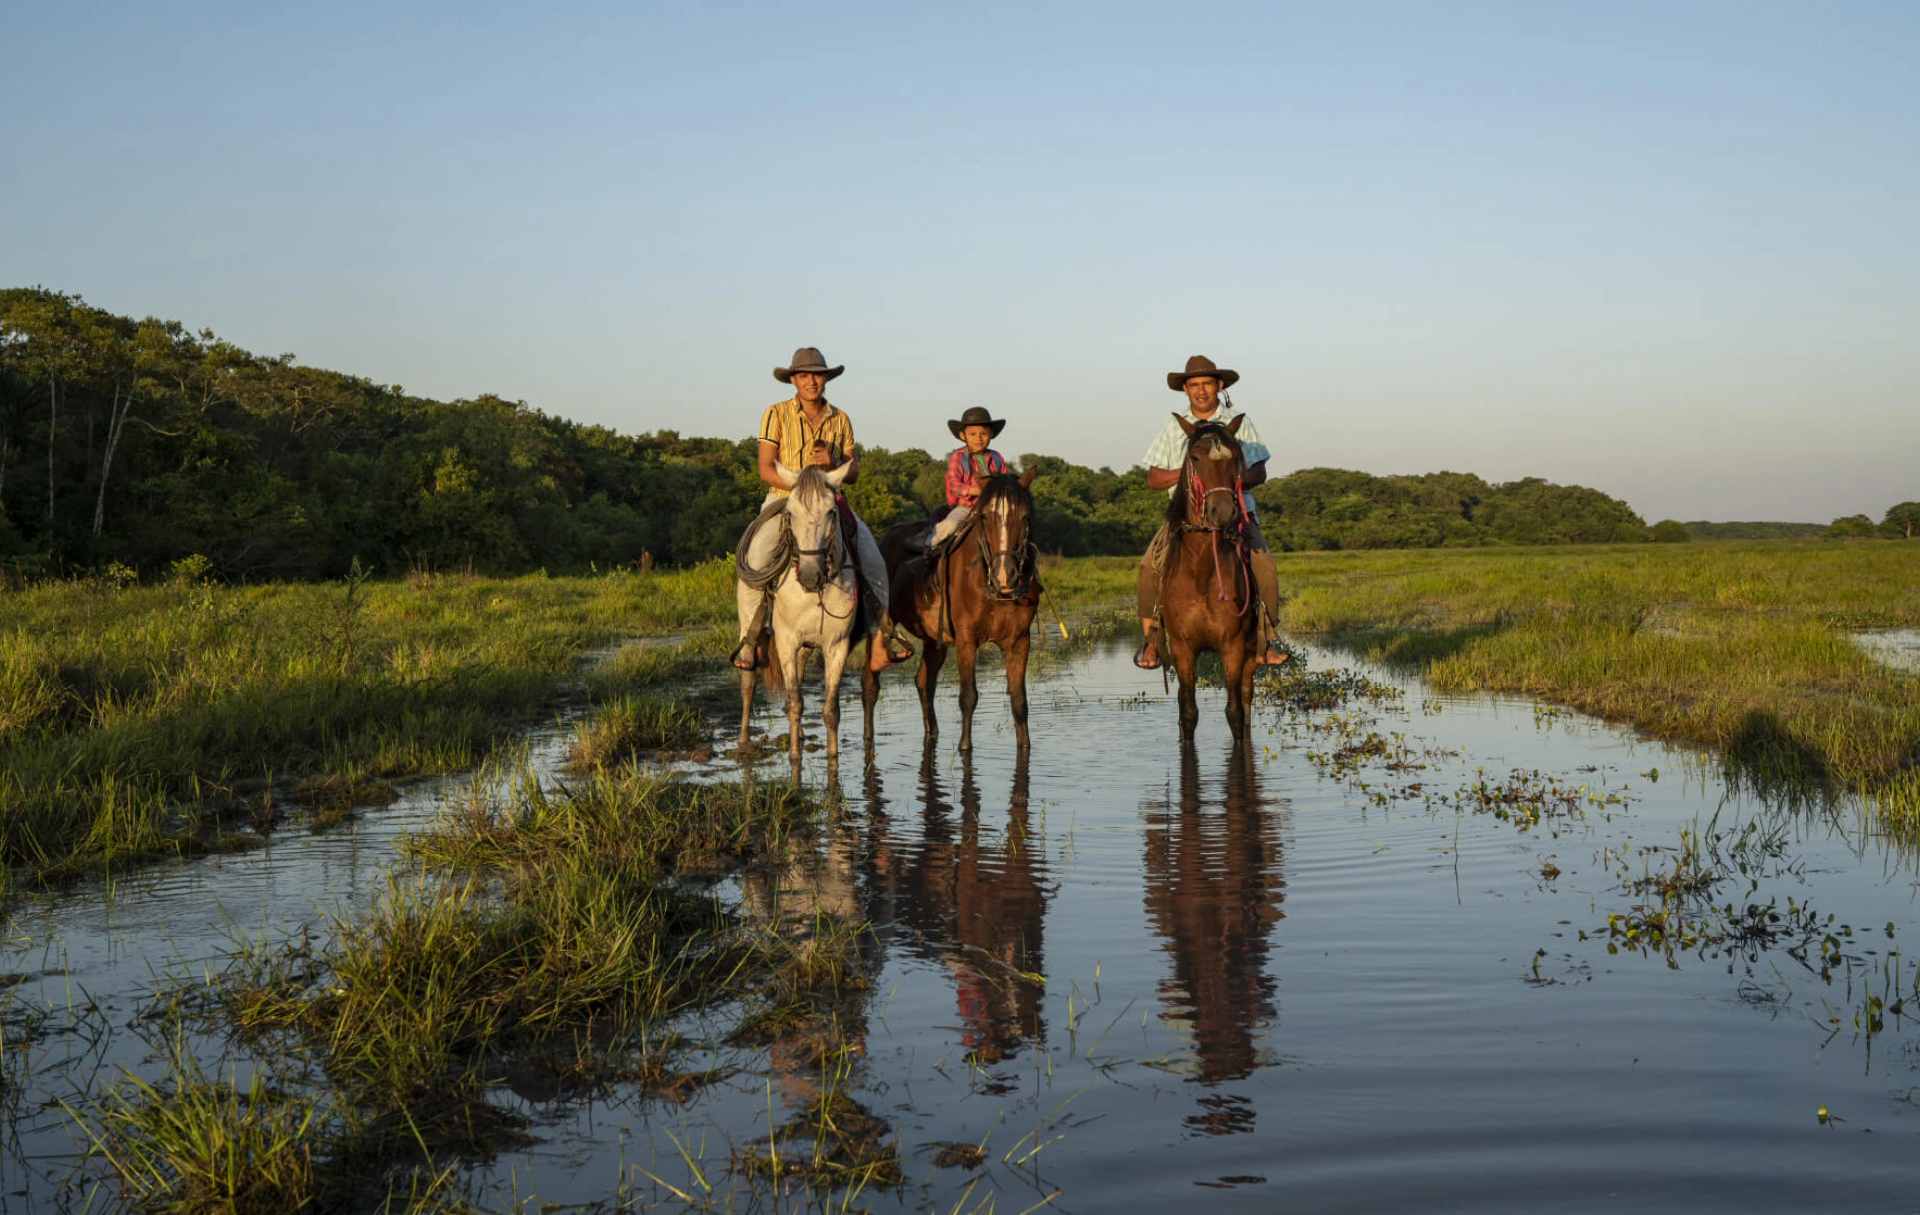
[(1142, 977)]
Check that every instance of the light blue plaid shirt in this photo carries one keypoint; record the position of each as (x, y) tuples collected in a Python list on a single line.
[(1169, 447)]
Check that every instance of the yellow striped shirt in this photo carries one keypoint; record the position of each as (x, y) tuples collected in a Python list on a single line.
[(785, 425)]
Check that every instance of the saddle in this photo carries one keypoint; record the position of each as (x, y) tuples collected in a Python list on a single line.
[(765, 580)]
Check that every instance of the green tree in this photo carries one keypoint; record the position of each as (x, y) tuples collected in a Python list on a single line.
[(1851, 527), (1670, 531), (1903, 520)]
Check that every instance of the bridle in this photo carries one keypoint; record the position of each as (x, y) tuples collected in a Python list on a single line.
[(1022, 556), (832, 550), (1234, 532)]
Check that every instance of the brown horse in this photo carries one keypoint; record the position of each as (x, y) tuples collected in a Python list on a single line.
[(989, 593), (1208, 599)]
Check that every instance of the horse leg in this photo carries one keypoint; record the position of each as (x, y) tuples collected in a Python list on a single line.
[(1183, 660), (1016, 652), (966, 652), (836, 665), (1234, 663), (869, 693), (932, 655), (791, 659), (747, 680)]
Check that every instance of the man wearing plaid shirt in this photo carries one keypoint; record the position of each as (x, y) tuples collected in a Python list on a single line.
[(1204, 385)]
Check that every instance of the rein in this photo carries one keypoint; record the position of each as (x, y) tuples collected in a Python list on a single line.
[(1234, 534)]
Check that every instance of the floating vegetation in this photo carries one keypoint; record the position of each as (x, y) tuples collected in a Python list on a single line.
[(1527, 797), (1682, 908)]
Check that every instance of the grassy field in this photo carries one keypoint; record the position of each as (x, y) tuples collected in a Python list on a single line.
[(1741, 647), (144, 721), (138, 721)]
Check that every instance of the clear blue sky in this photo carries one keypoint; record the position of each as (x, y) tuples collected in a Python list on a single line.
[(1669, 250)]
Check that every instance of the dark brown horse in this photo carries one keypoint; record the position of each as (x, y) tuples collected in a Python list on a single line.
[(1208, 599), (989, 593)]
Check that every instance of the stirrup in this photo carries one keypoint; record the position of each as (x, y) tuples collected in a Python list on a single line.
[(897, 650), (1147, 657), (1271, 649), (747, 650)]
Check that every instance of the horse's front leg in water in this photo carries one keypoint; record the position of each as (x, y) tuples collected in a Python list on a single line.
[(927, 679), (747, 679), (966, 652), (1183, 663), (1016, 652), (869, 693), (791, 657), (1237, 667), (836, 664)]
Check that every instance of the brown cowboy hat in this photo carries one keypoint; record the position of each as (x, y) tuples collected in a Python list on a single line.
[(1200, 365), (976, 415), (807, 358)]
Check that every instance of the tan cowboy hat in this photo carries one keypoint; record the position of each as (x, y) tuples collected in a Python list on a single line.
[(1200, 365), (976, 415), (807, 358)]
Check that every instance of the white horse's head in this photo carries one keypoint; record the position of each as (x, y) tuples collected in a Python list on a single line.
[(820, 550)]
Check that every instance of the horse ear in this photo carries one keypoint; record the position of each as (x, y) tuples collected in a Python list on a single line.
[(1184, 424), (836, 476), (1233, 427), (1026, 478)]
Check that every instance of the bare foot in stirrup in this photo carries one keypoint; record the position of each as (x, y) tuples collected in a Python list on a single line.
[(743, 656), (1275, 656), (1147, 658)]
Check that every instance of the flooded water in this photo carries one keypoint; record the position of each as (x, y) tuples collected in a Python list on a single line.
[(1366, 968), (1898, 648)]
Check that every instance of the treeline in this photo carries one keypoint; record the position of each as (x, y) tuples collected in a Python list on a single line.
[(1901, 522), (1700, 529), (141, 442)]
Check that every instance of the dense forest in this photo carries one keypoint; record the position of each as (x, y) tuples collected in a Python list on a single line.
[(142, 442)]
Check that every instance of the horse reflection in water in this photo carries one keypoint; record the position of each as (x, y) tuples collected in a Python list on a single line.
[(839, 876), (977, 906), (1214, 893)]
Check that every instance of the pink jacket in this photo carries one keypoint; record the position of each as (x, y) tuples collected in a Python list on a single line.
[(963, 488)]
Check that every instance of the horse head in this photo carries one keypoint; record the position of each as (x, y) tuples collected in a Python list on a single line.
[(1211, 473), (819, 549), (1004, 516)]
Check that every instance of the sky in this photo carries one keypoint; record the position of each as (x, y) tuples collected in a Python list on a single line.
[(1666, 250)]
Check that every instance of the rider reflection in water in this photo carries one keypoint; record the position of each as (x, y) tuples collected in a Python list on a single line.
[(1214, 892), (981, 906)]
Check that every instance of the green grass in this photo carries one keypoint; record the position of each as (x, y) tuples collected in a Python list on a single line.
[(134, 721), (1740, 647), (632, 726)]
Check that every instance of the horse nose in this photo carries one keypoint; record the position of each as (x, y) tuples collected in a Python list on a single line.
[(812, 573)]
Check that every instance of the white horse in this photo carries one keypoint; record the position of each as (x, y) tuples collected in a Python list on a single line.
[(814, 599)]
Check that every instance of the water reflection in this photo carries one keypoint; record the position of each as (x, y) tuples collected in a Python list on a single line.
[(977, 902), (1214, 892)]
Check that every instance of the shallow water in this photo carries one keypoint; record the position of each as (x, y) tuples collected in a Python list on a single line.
[(1143, 977), (1898, 648)]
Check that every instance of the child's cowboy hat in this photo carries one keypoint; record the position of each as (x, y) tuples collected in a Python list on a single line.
[(976, 415)]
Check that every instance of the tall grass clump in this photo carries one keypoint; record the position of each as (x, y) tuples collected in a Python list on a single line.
[(632, 725), (536, 916), (203, 1145)]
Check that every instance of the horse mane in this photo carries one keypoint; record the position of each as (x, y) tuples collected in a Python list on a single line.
[(1211, 432), (812, 490), (1004, 487)]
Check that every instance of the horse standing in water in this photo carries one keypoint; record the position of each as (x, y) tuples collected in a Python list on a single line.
[(1208, 599), (799, 547), (988, 591)]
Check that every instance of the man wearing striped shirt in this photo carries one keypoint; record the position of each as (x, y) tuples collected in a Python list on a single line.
[(807, 430), (1205, 386)]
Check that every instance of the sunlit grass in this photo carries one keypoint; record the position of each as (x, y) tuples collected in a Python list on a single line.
[(1743, 648)]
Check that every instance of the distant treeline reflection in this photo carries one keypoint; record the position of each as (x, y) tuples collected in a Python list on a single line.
[(142, 442)]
